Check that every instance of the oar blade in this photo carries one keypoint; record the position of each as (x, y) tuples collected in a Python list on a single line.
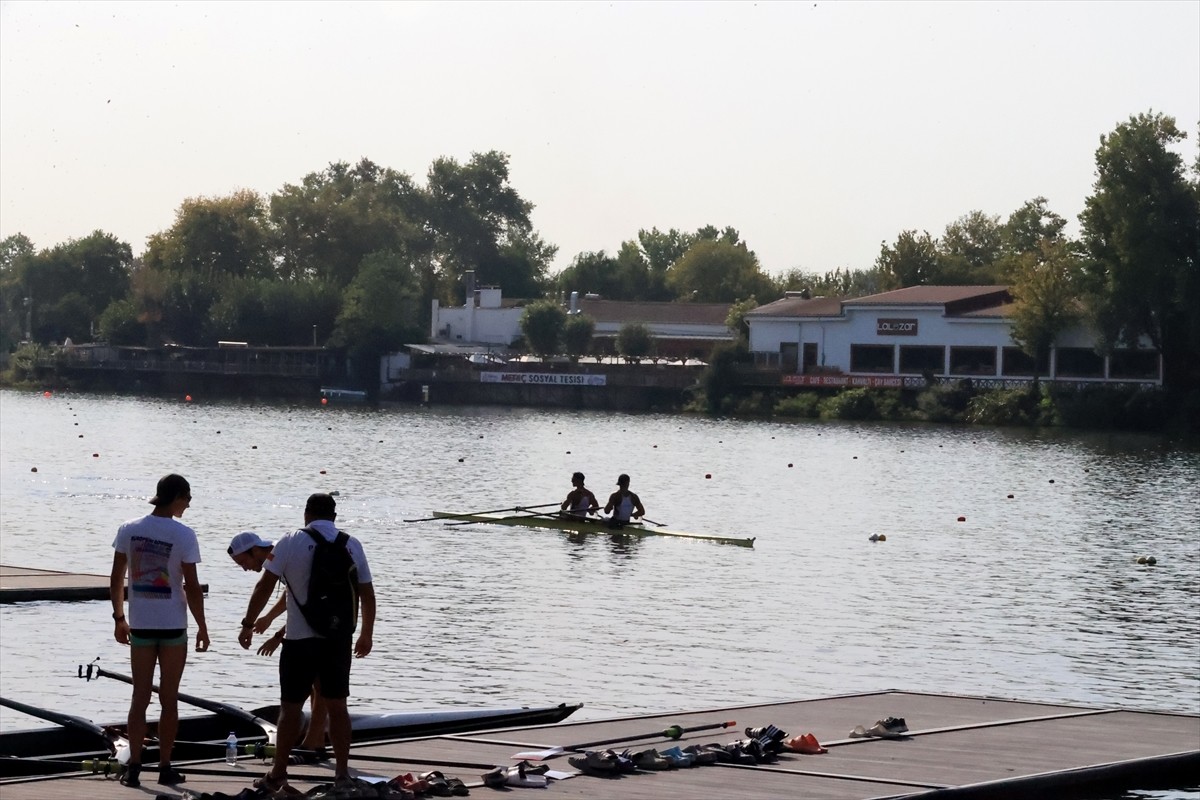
[(539, 755)]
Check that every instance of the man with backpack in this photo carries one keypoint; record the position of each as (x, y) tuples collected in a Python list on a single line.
[(328, 581)]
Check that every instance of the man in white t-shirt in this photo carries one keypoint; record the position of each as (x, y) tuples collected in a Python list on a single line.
[(308, 656), (159, 554)]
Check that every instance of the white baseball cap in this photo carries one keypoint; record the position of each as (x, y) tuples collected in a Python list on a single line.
[(245, 540)]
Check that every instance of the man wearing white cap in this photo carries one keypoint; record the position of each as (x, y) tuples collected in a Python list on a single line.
[(250, 551)]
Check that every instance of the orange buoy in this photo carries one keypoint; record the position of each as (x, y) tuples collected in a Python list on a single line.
[(187, 398), (324, 401), (46, 393)]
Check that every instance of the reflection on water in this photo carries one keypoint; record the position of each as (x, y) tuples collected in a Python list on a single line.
[(1035, 596)]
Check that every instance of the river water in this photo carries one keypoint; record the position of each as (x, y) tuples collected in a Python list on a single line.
[(1035, 595)]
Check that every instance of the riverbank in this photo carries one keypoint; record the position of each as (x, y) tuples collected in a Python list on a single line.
[(715, 389)]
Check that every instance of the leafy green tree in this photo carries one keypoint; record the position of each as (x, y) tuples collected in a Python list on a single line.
[(1027, 227), (120, 326), (69, 317), (661, 250), (840, 282), (969, 250), (68, 285), (380, 312), (592, 273), (1045, 288), (327, 224), (542, 324), (475, 214), (215, 237), (1141, 231), (577, 335), (736, 319), (15, 252), (912, 261), (716, 271), (634, 341)]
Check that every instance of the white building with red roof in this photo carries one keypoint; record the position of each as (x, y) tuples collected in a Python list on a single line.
[(901, 338)]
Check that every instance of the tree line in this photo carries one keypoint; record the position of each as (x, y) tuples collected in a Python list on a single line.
[(352, 255)]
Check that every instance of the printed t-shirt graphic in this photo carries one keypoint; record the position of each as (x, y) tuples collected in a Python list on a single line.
[(150, 568)]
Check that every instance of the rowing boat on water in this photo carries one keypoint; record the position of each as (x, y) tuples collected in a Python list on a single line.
[(46, 751), (588, 525)]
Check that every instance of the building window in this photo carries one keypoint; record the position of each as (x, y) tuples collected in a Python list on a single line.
[(919, 360), (972, 361), (1018, 362), (1136, 364), (1078, 362), (872, 358)]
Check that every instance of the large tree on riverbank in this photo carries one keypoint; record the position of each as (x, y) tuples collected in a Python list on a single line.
[(1141, 232)]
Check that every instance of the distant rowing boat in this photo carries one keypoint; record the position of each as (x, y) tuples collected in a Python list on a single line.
[(588, 525)]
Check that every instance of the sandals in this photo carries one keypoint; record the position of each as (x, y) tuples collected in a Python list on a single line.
[(131, 777), (278, 787), (300, 756), (439, 785), (169, 776)]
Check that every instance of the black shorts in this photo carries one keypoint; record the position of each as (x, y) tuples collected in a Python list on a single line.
[(304, 661)]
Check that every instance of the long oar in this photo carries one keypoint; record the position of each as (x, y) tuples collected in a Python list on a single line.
[(521, 512), (224, 709), (652, 522), (493, 511), (267, 752), (673, 732), (67, 721)]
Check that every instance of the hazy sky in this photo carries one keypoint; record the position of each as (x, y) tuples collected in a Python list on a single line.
[(816, 129)]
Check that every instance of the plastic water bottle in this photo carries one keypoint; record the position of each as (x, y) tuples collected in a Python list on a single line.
[(231, 749)]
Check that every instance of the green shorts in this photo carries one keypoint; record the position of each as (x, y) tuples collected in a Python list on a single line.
[(158, 637)]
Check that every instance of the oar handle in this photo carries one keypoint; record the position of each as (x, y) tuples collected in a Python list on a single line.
[(673, 732)]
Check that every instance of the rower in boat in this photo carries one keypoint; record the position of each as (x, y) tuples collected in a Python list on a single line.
[(623, 504), (580, 502)]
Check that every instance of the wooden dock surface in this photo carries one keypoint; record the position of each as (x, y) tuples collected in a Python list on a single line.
[(28, 584), (957, 747)]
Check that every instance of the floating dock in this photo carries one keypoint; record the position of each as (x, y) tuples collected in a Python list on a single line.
[(956, 747), (27, 584)]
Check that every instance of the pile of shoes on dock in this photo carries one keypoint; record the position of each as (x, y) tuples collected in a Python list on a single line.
[(761, 746)]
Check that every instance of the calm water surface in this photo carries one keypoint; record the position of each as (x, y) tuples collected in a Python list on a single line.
[(1034, 596)]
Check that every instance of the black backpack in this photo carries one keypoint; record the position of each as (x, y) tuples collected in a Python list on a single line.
[(332, 606)]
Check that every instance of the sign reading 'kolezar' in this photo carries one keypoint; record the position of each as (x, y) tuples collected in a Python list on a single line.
[(547, 378), (896, 327)]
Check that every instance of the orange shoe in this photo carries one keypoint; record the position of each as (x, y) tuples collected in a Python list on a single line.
[(806, 744), (814, 747)]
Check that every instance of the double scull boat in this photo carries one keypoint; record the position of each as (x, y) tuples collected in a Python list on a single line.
[(532, 519)]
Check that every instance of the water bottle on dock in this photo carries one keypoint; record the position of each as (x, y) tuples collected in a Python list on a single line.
[(231, 753)]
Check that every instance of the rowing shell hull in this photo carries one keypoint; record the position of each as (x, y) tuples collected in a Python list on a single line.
[(203, 736), (587, 526)]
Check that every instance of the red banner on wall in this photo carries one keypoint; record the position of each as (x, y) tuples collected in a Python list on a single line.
[(870, 381)]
